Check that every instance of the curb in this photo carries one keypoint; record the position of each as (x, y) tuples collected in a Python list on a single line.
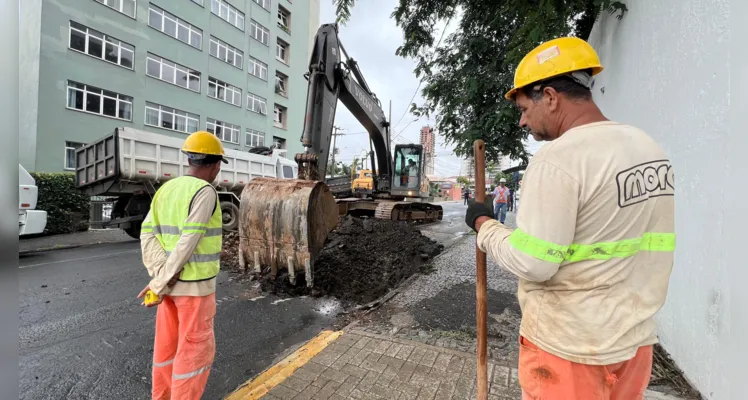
[(69, 246), (260, 385)]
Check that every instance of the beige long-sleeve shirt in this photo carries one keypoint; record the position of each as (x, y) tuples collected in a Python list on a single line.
[(593, 244), (162, 267)]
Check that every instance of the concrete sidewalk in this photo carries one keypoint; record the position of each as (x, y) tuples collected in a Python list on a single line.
[(71, 240), (362, 366)]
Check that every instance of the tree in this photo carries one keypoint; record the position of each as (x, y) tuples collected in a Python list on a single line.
[(465, 182), (466, 75)]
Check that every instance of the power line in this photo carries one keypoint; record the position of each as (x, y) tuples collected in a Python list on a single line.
[(421, 81)]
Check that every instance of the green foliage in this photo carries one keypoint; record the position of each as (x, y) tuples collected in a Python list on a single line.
[(67, 208), (466, 75), (465, 182)]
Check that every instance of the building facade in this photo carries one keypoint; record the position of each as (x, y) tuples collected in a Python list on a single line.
[(429, 144), (232, 67)]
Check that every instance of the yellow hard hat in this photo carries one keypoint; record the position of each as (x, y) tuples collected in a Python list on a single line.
[(553, 58), (201, 144)]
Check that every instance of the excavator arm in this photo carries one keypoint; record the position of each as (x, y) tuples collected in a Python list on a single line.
[(334, 76), (283, 223)]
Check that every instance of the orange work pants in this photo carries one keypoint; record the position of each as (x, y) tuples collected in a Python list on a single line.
[(544, 376), (184, 347)]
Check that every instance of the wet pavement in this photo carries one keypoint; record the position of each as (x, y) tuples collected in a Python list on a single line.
[(84, 335), (452, 226)]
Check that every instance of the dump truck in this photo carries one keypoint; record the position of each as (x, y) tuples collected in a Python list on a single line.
[(30, 220), (129, 165), (283, 223)]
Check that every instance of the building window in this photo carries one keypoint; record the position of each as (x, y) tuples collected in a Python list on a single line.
[(176, 74), (223, 130), (101, 46), (223, 91), (126, 7), (226, 53), (254, 138), (279, 119), (70, 159), (257, 104), (281, 84), (258, 68), (228, 13), (284, 19), (281, 51), (264, 3), (175, 27), (93, 100), (279, 143), (171, 118), (259, 32)]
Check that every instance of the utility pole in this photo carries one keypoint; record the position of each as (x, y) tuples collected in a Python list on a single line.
[(334, 149), (389, 130)]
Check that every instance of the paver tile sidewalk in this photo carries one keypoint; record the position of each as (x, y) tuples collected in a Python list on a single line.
[(360, 365)]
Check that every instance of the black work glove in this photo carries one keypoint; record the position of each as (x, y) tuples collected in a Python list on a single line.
[(474, 211)]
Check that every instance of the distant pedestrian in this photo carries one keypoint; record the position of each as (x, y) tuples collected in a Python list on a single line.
[(466, 195), (510, 203), (500, 195)]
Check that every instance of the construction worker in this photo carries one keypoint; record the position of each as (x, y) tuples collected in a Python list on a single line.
[(181, 242), (501, 197), (594, 243)]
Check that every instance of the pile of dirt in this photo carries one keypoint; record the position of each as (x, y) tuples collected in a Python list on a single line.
[(230, 250), (361, 261)]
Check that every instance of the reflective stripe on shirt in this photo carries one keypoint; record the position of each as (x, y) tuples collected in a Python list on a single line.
[(551, 252)]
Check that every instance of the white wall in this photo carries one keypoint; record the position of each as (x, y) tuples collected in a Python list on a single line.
[(667, 71)]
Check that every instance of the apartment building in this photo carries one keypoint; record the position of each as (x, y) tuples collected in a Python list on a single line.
[(428, 142), (232, 67)]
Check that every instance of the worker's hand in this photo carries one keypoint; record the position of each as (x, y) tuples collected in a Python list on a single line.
[(152, 304), (474, 211)]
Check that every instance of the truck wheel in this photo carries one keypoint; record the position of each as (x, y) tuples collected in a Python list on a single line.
[(230, 216), (133, 231)]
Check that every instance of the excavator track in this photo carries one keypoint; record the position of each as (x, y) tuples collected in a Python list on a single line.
[(408, 211)]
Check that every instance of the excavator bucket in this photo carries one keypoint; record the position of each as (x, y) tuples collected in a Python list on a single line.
[(283, 224)]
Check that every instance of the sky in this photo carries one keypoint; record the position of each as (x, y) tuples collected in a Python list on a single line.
[(371, 37)]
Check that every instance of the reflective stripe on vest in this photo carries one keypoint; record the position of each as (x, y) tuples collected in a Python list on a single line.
[(551, 252), (500, 198), (169, 210)]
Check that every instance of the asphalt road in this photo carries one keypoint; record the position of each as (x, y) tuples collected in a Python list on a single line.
[(84, 335), (452, 226)]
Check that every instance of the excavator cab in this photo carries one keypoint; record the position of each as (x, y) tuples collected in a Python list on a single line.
[(408, 176)]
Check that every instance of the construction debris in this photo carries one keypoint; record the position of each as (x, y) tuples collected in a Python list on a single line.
[(361, 261)]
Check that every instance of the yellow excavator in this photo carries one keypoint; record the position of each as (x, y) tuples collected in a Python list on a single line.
[(284, 222)]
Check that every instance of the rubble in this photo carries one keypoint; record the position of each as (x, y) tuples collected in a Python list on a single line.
[(361, 261)]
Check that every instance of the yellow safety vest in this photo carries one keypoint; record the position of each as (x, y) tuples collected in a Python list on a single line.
[(169, 209)]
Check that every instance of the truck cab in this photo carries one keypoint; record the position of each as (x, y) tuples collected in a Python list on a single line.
[(30, 220)]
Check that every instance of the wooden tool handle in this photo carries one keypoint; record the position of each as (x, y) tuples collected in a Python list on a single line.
[(479, 153)]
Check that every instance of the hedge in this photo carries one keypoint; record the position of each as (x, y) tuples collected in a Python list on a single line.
[(67, 208)]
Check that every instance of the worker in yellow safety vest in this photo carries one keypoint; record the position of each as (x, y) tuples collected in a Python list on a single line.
[(593, 248), (181, 243)]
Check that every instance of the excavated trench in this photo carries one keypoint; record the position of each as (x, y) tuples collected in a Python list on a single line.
[(361, 261)]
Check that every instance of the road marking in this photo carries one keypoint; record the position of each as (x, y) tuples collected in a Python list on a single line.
[(78, 259), (275, 375)]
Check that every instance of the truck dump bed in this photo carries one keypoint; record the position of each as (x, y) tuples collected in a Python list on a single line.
[(124, 161)]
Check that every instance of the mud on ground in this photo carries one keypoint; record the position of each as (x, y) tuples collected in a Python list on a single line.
[(361, 261)]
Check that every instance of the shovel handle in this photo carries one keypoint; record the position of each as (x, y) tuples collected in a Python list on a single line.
[(479, 152)]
